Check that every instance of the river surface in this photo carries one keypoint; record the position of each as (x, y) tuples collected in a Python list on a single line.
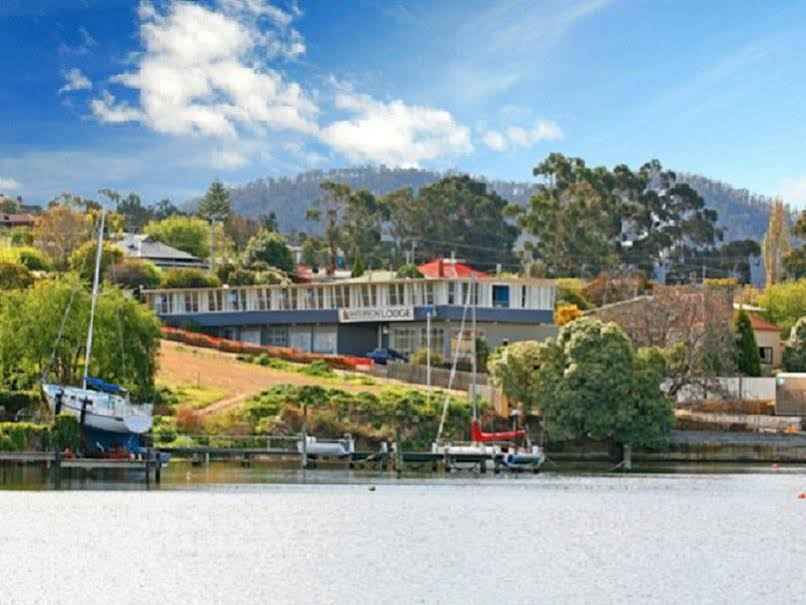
[(232, 535)]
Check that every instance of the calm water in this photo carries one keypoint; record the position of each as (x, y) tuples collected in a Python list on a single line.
[(266, 537)]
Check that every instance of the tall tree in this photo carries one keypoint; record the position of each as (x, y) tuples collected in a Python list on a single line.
[(748, 360), (215, 205), (458, 214), (269, 221), (59, 231), (163, 209), (795, 261), (776, 244), (327, 210), (586, 220), (135, 215), (240, 229)]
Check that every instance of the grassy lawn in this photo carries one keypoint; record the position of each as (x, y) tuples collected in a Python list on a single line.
[(193, 396)]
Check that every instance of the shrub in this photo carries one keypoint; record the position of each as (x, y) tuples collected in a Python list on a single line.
[(188, 278), (14, 401), (133, 273), (318, 367), (14, 276), (66, 432), (23, 436), (566, 314), (408, 271), (420, 356), (21, 236), (83, 259)]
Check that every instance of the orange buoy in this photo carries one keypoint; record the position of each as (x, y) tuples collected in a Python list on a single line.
[(802, 496)]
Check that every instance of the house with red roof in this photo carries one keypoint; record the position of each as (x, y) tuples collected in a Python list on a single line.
[(449, 267), (770, 345), (9, 221)]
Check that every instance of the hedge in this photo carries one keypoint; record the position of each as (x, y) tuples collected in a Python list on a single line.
[(14, 401), (343, 362), (24, 436), (30, 437)]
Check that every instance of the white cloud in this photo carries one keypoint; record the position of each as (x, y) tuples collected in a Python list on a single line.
[(793, 192), (204, 71), (495, 140), (516, 137), (394, 133), (75, 80), (8, 184), (228, 160), (107, 109)]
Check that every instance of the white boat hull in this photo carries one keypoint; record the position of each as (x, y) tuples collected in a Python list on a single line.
[(103, 412), (327, 449)]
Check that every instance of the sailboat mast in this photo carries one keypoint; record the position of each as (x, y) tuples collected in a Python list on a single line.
[(95, 281), (473, 360)]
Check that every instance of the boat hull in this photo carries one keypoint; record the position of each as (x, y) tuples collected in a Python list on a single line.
[(103, 412)]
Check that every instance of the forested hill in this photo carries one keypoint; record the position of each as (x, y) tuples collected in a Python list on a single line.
[(741, 213)]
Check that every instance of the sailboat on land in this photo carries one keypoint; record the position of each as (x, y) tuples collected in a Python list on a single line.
[(98, 405)]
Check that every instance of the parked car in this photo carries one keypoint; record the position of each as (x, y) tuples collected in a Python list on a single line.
[(383, 355)]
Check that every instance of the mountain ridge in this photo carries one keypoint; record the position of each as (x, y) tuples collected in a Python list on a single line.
[(741, 213)]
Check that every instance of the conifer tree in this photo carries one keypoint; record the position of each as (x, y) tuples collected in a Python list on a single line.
[(747, 357), (215, 203), (358, 265)]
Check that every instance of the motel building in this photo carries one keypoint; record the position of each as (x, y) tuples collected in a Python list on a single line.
[(354, 316)]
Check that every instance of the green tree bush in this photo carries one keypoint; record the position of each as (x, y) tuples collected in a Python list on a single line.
[(409, 271), (188, 278), (133, 273), (795, 352), (191, 235), (125, 343), (66, 433), (14, 276), (82, 260), (748, 360), (591, 383), (513, 369), (784, 302), (270, 248)]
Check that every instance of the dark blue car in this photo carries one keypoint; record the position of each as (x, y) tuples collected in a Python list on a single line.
[(382, 356)]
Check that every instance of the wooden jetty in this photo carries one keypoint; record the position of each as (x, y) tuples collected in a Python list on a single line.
[(149, 464)]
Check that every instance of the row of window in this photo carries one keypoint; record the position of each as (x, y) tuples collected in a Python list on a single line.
[(342, 296)]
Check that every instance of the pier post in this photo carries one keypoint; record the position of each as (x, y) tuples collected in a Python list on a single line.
[(398, 451), (57, 468), (304, 435), (148, 467), (158, 467), (627, 457)]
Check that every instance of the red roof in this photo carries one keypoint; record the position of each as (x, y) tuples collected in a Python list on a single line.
[(17, 219), (448, 267), (761, 325)]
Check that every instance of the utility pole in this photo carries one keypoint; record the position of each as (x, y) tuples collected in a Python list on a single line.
[(428, 355), (212, 245)]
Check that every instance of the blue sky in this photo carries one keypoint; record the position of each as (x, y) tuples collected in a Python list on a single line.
[(161, 97)]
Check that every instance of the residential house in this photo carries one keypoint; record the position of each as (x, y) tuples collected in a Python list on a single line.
[(135, 245)]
